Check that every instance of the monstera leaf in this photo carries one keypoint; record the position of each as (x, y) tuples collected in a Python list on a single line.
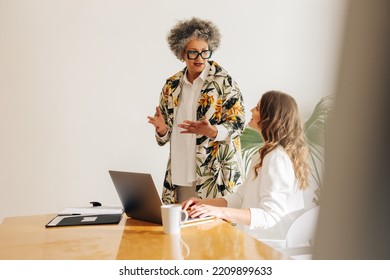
[(251, 141), (314, 128)]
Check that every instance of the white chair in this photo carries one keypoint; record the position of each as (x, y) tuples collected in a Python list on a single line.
[(302, 230), (300, 236), (293, 235)]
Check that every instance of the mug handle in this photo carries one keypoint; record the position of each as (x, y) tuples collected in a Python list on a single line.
[(184, 217)]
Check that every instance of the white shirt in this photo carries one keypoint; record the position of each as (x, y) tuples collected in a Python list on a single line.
[(183, 145), (272, 194), (183, 155)]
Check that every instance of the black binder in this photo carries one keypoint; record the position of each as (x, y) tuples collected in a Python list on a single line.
[(79, 220)]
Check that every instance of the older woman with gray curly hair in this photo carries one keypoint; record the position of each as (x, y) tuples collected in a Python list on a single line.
[(201, 114)]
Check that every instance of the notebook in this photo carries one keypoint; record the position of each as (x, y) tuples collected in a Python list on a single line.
[(78, 216), (139, 197), (80, 220)]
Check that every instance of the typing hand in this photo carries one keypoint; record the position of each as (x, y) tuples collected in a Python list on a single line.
[(204, 210), (186, 205)]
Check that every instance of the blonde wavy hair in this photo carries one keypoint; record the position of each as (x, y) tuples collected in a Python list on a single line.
[(280, 124)]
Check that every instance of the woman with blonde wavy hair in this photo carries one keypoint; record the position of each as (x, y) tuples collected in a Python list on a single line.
[(278, 174)]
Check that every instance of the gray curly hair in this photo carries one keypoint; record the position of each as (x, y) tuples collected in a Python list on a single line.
[(194, 28)]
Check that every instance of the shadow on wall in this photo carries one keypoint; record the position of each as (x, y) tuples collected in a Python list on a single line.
[(354, 218)]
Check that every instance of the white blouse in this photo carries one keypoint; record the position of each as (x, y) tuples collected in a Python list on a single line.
[(272, 194), (184, 144)]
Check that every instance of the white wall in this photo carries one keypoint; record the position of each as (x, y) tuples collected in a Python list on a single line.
[(78, 78)]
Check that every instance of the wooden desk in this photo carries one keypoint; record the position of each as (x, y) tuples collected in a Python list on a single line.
[(27, 238)]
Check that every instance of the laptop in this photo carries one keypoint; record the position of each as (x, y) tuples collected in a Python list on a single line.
[(140, 199), (138, 194)]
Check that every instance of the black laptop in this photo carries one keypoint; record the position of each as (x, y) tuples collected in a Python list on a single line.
[(140, 199), (138, 194)]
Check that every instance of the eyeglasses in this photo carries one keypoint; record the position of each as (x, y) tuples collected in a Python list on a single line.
[(192, 54)]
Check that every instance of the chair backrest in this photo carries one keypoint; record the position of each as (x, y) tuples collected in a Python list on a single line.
[(302, 230)]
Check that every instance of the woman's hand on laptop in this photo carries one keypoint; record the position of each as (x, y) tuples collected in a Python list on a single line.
[(197, 207), (204, 210), (186, 205)]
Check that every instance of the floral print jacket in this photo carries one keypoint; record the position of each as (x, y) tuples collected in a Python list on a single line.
[(219, 167)]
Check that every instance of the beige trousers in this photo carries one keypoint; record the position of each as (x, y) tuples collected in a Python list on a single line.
[(185, 192)]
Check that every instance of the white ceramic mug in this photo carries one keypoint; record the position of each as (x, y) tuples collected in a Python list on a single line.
[(173, 217)]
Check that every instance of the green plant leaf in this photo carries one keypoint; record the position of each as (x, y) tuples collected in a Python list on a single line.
[(251, 142), (315, 130)]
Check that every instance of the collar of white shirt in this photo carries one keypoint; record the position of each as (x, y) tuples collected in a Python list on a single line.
[(202, 75)]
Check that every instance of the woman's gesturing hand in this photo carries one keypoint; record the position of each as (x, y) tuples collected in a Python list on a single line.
[(202, 127), (158, 122)]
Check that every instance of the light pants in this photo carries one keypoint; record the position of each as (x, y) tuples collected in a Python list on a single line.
[(185, 192)]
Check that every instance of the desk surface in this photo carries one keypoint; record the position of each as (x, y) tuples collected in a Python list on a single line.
[(27, 238)]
